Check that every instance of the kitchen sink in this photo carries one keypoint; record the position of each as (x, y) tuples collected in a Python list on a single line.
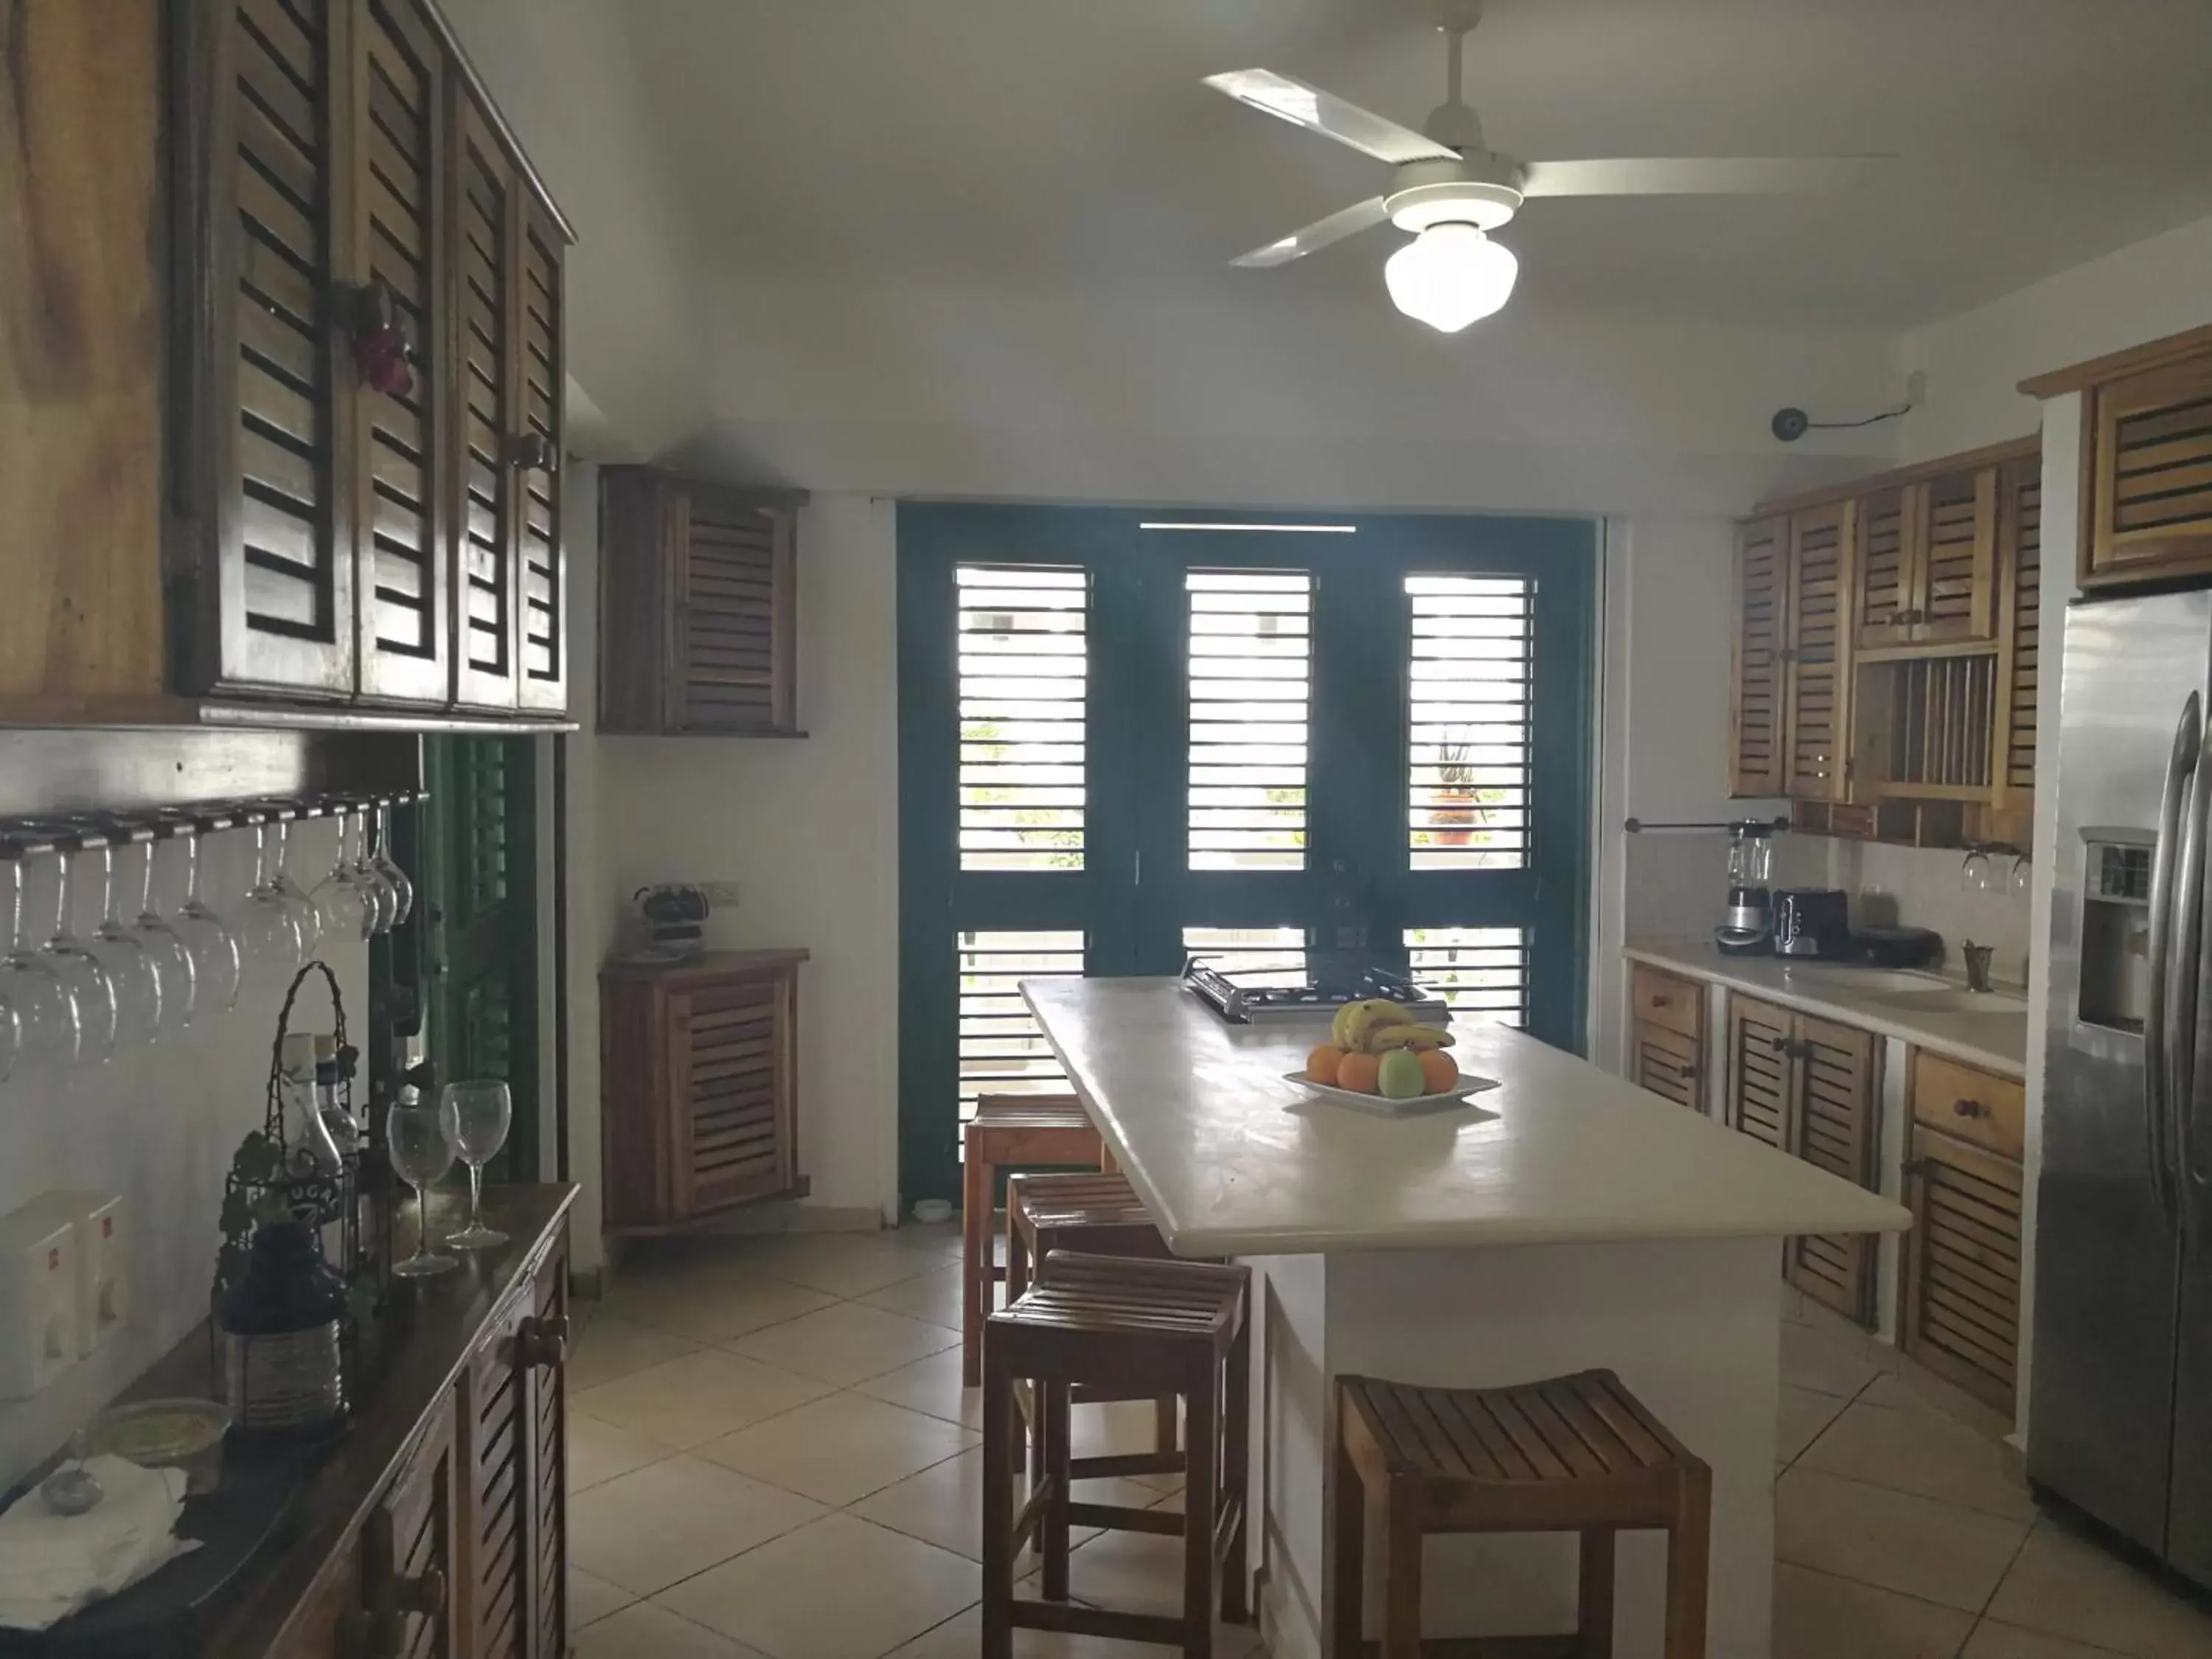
[(1951, 1000)]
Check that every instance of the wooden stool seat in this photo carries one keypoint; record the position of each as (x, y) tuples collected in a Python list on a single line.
[(1568, 1454), (1142, 1327), (1006, 1129)]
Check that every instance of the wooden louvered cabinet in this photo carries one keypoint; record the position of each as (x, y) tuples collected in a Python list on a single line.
[(701, 1063), (2150, 483), (1758, 701), (698, 606), (1926, 562), (1813, 1089), (1666, 1035), (414, 1573), (1959, 1289), (1817, 653)]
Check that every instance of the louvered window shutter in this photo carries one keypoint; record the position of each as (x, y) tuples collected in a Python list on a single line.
[(1757, 719)]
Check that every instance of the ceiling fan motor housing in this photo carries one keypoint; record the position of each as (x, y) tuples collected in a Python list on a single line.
[(1482, 190)]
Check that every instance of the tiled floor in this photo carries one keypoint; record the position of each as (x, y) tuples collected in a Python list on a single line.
[(771, 1455)]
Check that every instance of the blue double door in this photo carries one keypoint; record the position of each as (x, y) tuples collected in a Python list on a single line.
[(1127, 736)]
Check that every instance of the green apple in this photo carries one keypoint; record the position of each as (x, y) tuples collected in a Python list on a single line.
[(1401, 1077)]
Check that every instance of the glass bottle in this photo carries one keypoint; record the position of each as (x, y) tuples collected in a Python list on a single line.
[(281, 1325), (310, 1150)]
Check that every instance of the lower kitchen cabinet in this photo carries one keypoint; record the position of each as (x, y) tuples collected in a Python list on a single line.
[(1668, 1038), (1813, 1089), (1959, 1312)]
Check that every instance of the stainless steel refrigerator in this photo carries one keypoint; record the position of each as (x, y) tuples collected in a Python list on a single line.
[(2120, 1409)]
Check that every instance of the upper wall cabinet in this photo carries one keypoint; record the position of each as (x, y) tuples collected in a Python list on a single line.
[(351, 481), (1819, 652), (1926, 562), (2151, 486), (698, 606), (1756, 724)]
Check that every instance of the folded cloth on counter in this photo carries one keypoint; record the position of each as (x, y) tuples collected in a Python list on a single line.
[(52, 1565)]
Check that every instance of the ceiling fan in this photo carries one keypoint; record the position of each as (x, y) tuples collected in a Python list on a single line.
[(1452, 189)]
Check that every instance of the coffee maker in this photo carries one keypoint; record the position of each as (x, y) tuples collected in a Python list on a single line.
[(1746, 927)]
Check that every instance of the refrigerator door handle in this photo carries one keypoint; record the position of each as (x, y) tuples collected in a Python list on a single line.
[(2158, 1051)]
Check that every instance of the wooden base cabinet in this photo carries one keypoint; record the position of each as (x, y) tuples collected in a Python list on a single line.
[(1813, 1089), (1668, 1037), (701, 1062)]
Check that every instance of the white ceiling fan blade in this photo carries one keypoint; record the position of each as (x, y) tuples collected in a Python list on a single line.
[(1700, 176), (1324, 112), (1348, 222)]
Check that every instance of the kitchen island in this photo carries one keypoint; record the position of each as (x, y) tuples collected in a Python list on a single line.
[(1564, 1219)]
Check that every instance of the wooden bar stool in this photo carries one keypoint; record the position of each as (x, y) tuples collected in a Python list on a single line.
[(1092, 1215), (1572, 1453), (1149, 1327), (1006, 1129)]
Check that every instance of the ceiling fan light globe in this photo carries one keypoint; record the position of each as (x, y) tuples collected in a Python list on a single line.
[(1450, 276)]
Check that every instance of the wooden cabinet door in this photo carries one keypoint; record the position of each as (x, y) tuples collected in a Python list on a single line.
[(736, 615), (1820, 651), (1953, 534), (540, 356), (1887, 575), (413, 1569), (1757, 726), (731, 1047), (1759, 1079), (2020, 666), (488, 543), (397, 247), (1960, 1295), (544, 1356), (1833, 1113), (1667, 1063), (2150, 507), (266, 506), (496, 1443)]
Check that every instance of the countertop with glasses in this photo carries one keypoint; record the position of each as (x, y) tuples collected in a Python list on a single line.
[(1231, 1159), (1987, 1028)]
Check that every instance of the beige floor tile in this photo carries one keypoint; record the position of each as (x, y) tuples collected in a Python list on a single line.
[(1117, 1428), (1894, 1541), (1820, 1617), (714, 1305), (935, 1297), (1827, 1361), (845, 1343), (1993, 1639), (1141, 1572), (939, 1237), (1804, 1415), (645, 1531), (613, 1346), (592, 1598), (943, 1505), (697, 1398), (1923, 1452), (931, 1385), (2065, 1585), (841, 1447), (843, 1264), (599, 1451), (1910, 1388), (963, 1638), (647, 1632), (841, 1589)]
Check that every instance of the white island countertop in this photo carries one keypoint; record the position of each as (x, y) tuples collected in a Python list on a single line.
[(1233, 1160)]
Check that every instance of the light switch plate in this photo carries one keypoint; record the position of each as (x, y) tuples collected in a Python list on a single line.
[(722, 894), (103, 1284), (38, 1296)]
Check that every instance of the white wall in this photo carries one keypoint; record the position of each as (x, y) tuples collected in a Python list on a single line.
[(158, 1126)]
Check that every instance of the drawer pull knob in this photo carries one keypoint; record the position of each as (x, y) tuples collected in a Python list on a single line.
[(424, 1595), (542, 1343), (1970, 1108)]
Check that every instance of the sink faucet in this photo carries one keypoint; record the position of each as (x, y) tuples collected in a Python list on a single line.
[(1977, 964)]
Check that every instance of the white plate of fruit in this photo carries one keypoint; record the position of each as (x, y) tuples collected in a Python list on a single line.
[(1380, 1058)]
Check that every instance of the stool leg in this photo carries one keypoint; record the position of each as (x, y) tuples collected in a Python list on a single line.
[(1348, 1522), (997, 1505), (1594, 1620), (976, 1263), (1052, 1459), (1164, 1423), (1689, 1563), (1236, 1476), (1202, 1434), (1401, 1572), (1027, 1419)]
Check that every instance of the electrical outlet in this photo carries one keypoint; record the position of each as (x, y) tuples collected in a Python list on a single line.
[(722, 894)]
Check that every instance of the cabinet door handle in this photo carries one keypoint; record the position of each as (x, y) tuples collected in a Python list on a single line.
[(423, 1595), (542, 1343), (531, 452), (1970, 1108)]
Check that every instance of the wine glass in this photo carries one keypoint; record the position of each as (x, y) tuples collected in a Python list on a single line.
[(207, 936), (129, 964), (420, 1152), (290, 894), (266, 926), (89, 985), (172, 955), (403, 890), (476, 1115), (343, 910), (46, 1022), (382, 897)]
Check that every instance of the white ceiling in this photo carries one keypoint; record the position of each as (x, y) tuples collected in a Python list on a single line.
[(1067, 146)]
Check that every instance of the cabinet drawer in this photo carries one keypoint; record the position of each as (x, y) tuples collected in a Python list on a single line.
[(1972, 1104), (1667, 1063), (1663, 1000)]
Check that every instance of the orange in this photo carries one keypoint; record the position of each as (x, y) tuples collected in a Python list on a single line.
[(1321, 1063), (1359, 1073), (1439, 1071)]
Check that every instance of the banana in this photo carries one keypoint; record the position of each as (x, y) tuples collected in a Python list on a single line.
[(1353, 1022), (1384, 1037)]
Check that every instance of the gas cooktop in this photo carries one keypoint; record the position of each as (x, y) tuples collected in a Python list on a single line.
[(1322, 992)]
